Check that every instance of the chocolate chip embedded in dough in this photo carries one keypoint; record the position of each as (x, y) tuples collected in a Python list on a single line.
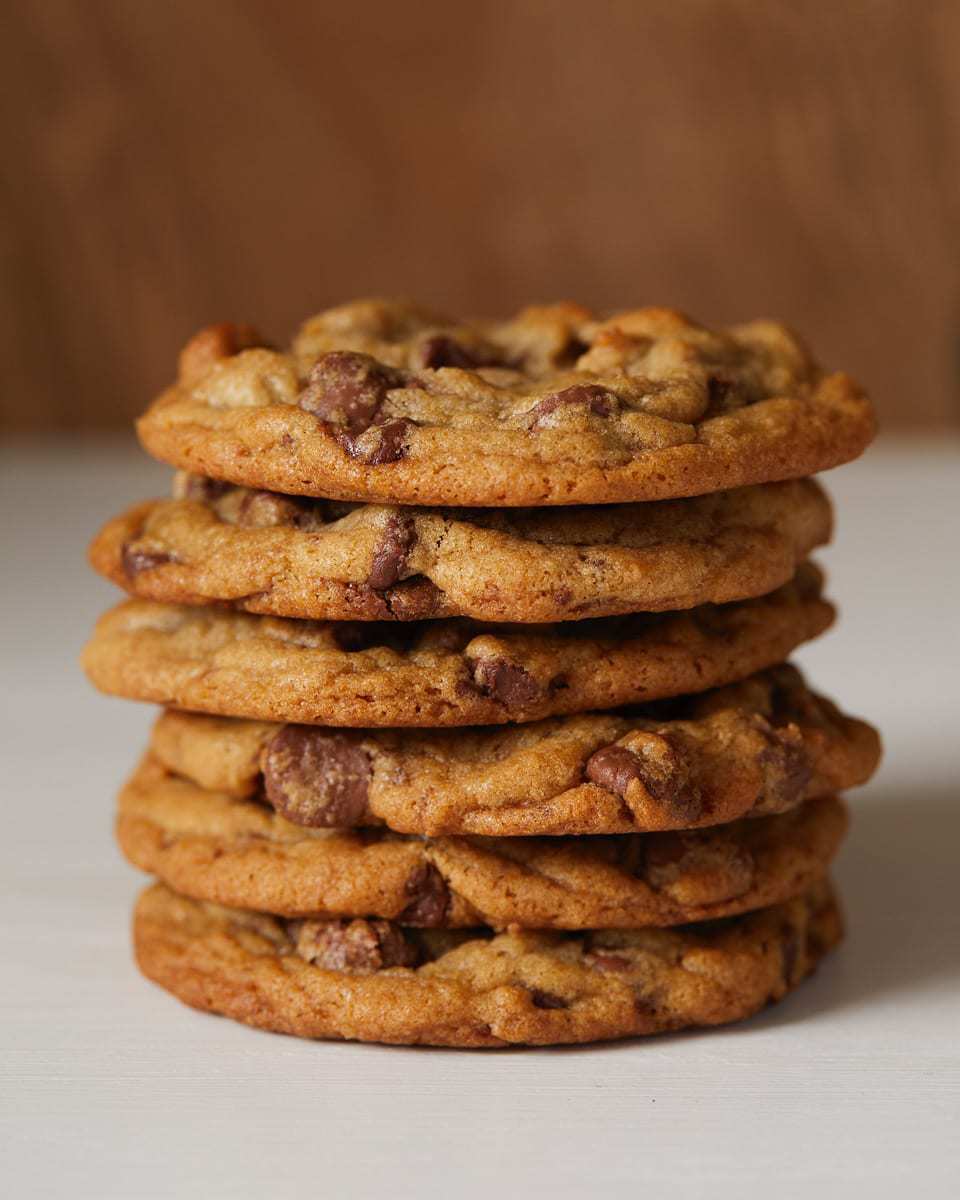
[(265, 510), (785, 764), (664, 774), (316, 778), (199, 487), (390, 556), (347, 390), (379, 444), (506, 682), (414, 599), (430, 898), (590, 396), (358, 946), (135, 560), (543, 999)]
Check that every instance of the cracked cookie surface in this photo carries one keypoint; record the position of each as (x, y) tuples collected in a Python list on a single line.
[(440, 673), (286, 556), (372, 980), (748, 749), (212, 847), (386, 402)]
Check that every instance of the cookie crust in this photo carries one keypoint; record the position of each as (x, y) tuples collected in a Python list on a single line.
[(518, 988), (212, 847), (384, 402), (749, 749), (439, 673), (263, 553)]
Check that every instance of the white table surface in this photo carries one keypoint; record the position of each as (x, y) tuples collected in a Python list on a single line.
[(113, 1089)]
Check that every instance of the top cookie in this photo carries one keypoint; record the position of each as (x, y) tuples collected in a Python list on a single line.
[(387, 402)]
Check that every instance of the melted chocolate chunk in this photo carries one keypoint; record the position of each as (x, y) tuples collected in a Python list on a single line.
[(510, 684), (358, 946), (785, 764), (261, 510), (135, 561), (414, 599), (666, 779), (316, 778), (543, 999), (380, 444), (199, 487), (347, 390), (430, 901), (390, 557), (595, 399)]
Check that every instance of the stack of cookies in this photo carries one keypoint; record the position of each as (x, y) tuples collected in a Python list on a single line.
[(471, 640)]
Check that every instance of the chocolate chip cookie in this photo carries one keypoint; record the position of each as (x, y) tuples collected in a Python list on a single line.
[(376, 981), (439, 673), (386, 402), (210, 846), (753, 748), (291, 557)]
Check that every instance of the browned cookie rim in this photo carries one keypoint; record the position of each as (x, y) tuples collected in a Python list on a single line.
[(214, 847), (282, 556), (520, 988), (753, 748), (233, 664), (650, 406)]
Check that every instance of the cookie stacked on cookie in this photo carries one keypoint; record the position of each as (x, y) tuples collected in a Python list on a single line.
[(472, 640)]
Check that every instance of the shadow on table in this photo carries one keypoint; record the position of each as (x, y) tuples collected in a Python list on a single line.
[(900, 890), (899, 883)]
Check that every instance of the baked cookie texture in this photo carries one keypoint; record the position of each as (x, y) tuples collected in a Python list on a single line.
[(291, 557), (440, 673), (749, 749), (373, 980), (381, 401), (210, 846)]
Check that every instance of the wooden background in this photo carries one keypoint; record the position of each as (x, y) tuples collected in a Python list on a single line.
[(171, 162)]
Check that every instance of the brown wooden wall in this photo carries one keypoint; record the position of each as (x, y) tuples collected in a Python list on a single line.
[(171, 162)]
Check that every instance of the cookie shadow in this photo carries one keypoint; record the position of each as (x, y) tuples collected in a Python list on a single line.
[(899, 887), (900, 891)]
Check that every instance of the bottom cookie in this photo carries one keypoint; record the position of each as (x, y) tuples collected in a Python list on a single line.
[(373, 981)]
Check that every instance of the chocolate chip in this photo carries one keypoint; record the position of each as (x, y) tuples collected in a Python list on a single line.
[(510, 684), (316, 778), (199, 487), (430, 901), (378, 444), (263, 510), (585, 395), (785, 764), (664, 776), (135, 561), (390, 556), (543, 999), (414, 599), (347, 390), (358, 946)]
